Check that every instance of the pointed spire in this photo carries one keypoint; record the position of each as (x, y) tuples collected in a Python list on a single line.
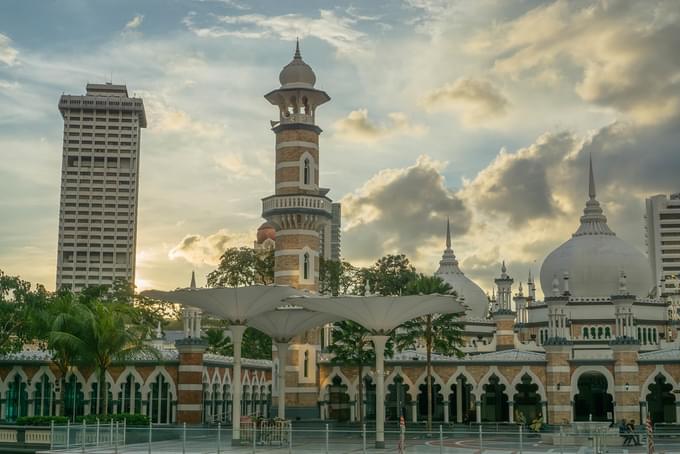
[(297, 49), (448, 233), (193, 281), (503, 268), (591, 182)]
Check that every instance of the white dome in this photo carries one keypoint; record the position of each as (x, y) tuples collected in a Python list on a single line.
[(297, 73), (594, 258), (450, 273)]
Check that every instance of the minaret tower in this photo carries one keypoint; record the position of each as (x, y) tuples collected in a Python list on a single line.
[(299, 208)]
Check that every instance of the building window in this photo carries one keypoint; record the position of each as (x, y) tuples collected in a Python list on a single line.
[(305, 367), (305, 266), (306, 172)]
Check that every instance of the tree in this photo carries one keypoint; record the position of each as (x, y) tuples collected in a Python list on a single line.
[(390, 274), (243, 266), (256, 344), (441, 333), (338, 278), (352, 347), (101, 333), (19, 307)]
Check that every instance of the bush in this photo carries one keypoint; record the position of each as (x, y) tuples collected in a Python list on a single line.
[(40, 420), (131, 419)]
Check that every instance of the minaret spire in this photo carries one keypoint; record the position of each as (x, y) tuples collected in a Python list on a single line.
[(193, 281), (448, 233), (297, 49), (591, 182)]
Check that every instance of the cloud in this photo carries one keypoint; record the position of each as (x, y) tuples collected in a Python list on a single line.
[(165, 118), (8, 54), (357, 127), (238, 168), (476, 100), (621, 55), (7, 85), (207, 250), (400, 210), (134, 23), (336, 30)]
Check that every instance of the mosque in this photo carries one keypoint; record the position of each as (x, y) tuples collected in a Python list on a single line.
[(598, 347)]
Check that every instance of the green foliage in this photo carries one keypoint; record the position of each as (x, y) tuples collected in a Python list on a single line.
[(243, 266), (255, 344), (339, 278), (41, 420), (129, 418), (390, 274), (20, 305)]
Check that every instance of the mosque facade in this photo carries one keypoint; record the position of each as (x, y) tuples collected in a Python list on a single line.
[(597, 347)]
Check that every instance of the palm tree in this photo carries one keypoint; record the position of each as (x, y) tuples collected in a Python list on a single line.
[(101, 335), (440, 332)]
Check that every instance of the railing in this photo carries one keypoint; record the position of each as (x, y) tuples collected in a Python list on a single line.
[(296, 201), (330, 437)]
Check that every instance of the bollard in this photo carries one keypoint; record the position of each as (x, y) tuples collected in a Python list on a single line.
[(326, 438), (150, 426), (441, 440), (68, 434), (82, 437), (481, 447), (219, 437), (184, 438), (521, 441), (51, 435), (97, 438), (363, 435)]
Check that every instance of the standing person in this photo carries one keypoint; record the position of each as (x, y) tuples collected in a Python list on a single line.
[(624, 432)]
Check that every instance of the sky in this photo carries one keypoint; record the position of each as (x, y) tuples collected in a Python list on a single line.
[(481, 111)]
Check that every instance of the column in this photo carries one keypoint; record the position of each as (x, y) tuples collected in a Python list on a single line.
[(459, 400), (414, 410), (352, 411), (511, 411), (643, 411), (677, 411), (190, 381), (447, 410), (544, 410), (379, 345), (282, 352), (236, 338), (478, 411)]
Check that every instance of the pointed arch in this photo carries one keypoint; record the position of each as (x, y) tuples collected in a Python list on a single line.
[(436, 379), (43, 370), (534, 378), (308, 169), (659, 369), (461, 370), (122, 377), (336, 371), (159, 370), (584, 369), (389, 380), (15, 370), (493, 370)]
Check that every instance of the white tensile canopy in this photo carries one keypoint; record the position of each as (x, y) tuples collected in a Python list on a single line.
[(282, 324), (381, 314)]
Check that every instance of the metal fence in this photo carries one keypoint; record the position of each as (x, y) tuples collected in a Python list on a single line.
[(327, 438)]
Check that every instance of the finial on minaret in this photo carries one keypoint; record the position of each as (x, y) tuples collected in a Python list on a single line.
[(297, 49), (622, 283), (193, 281), (503, 268), (591, 183), (555, 285), (448, 233)]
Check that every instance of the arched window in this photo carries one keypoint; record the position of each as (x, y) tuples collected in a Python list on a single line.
[(585, 333), (130, 396), (305, 367), (600, 332), (306, 172), (607, 332), (160, 401), (43, 397), (16, 399), (305, 266)]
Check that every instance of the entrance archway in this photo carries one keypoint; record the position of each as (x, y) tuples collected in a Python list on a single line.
[(338, 400), (494, 401), (398, 400), (437, 401), (593, 402), (661, 401), (467, 404), (527, 400)]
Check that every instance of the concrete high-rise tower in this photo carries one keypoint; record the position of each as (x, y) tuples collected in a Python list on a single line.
[(663, 242), (99, 186), (299, 208)]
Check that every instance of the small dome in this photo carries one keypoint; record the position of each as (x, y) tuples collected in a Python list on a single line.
[(297, 73), (266, 231), (594, 258)]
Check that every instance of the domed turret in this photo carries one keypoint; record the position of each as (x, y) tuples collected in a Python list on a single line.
[(594, 258), (266, 232), (450, 273), (297, 73)]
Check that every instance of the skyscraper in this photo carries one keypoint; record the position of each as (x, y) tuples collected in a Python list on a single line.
[(99, 186), (663, 241)]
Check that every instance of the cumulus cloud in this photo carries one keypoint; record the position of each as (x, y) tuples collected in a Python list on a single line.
[(338, 31), (625, 52), (476, 100), (236, 166), (165, 118), (134, 23), (399, 210), (207, 250), (357, 127), (8, 54)]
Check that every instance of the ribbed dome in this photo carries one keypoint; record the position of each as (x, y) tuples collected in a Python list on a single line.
[(450, 273), (297, 73), (266, 231), (594, 258)]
